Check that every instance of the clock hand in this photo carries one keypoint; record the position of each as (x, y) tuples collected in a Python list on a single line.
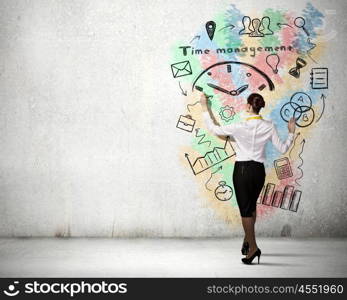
[(242, 89), (216, 87)]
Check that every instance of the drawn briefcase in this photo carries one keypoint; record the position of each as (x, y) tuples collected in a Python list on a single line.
[(186, 123)]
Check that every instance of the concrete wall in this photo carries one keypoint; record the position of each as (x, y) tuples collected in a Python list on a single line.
[(88, 114)]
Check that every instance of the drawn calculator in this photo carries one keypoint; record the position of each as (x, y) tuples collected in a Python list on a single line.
[(283, 169)]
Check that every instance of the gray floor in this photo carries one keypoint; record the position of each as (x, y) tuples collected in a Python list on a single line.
[(170, 258)]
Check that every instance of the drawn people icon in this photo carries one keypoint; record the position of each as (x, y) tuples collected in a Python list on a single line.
[(265, 26), (246, 23), (256, 29)]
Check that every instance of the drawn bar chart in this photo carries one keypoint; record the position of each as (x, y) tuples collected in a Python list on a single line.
[(287, 199), (211, 158)]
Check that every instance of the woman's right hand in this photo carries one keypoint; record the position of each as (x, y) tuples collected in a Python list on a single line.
[(291, 125)]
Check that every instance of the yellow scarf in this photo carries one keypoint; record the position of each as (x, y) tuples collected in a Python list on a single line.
[(255, 117)]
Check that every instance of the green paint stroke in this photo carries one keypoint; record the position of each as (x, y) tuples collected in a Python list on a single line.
[(177, 56), (227, 176), (276, 16)]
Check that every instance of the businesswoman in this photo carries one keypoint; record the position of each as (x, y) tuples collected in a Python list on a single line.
[(251, 136)]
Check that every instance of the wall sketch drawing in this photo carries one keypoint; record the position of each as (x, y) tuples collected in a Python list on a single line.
[(212, 173), (256, 27), (312, 46), (223, 192), (256, 30), (300, 23), (197, 37), (202, 138), (246, 23), (294, 143), (283, 169), (288, 199), (277, 199), (184, 93), (271, 53), (265, 26), (294, 204), (299, 107), (287, 196), (283, 24), (211, 158), (241, 69), (186, 123), (236, 92), (189, 105), (295, 71), (319, 78), (323, 107), (302, 161), (227, 113), (210, 29), (269, 190), (182, 68), (272, 61), (231, 26)]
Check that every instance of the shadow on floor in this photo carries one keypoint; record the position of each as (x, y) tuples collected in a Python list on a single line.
[(277, 264), (290, 254)]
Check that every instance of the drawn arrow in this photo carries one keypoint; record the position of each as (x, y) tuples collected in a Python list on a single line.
[(231, 27), (290, 152), (195, 37), (219, 168), (312, 45), (323, 99), (283, 24), (183, 92), (302, 161)]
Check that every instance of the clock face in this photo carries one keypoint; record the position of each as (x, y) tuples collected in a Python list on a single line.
[(232, 79), (223, 192)]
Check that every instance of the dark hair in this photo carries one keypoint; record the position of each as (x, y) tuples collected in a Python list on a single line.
[(257, 102)]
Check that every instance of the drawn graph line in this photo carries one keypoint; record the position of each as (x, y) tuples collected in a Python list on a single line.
[(323, 99), (290, 152), (302, 163), (202, 136), (211, 158), (195, 103), (206, 184)]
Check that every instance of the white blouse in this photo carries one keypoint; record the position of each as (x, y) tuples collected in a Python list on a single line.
[(251, 137)]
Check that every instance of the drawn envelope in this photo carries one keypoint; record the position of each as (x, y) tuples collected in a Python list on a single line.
[(180, 69), (186, 123)]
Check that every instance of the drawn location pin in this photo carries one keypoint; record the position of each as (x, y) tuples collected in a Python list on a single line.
[(210, 28)]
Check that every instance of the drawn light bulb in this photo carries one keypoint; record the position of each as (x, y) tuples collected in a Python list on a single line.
[(273, 60)]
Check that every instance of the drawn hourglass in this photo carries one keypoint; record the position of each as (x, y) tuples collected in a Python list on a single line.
[(300, 63)]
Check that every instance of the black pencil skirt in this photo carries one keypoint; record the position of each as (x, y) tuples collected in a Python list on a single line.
[(248, 179)]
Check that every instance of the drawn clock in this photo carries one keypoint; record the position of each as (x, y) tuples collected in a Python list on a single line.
[(232, 78), (223, 192)]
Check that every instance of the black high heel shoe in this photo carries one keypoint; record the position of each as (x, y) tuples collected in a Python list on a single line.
[(245, 248), (249, 260)]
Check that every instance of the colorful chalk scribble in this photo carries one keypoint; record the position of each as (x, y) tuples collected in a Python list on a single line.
[(275, 53)]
